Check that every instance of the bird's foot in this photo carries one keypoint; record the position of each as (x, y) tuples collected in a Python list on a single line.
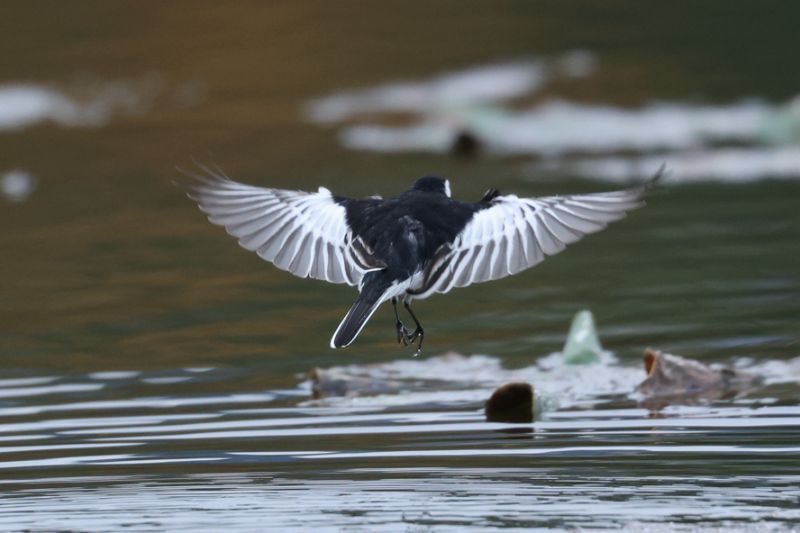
[(403, 335), (407, 338), (418, 333)]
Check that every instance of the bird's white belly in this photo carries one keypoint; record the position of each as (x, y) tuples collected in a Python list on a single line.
[(415, 283)]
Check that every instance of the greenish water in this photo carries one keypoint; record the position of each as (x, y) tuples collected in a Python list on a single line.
[(152, 372)]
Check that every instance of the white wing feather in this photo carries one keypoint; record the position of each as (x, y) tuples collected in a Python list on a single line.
[(301, 232), (518, 233)]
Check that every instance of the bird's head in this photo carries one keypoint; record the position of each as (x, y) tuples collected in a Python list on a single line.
[(433, 184)]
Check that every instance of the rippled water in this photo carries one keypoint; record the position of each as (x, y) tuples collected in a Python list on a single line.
[(153, 375), (117, 458)]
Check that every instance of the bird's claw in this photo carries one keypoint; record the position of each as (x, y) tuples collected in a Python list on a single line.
[(403, 335), (407, 338), (419, 333)]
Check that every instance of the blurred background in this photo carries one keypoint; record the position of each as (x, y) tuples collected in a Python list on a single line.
[(106, 267), (105, 262)]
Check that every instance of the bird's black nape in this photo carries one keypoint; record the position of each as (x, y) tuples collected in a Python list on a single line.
[(433, 184)]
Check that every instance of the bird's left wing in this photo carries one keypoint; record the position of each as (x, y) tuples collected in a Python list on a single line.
[(304, 233), (513, 234)]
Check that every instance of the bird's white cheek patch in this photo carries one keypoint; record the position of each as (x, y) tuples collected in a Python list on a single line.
[(447, 189)]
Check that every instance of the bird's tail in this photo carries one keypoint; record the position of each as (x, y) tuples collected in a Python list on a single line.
[(375, 290)]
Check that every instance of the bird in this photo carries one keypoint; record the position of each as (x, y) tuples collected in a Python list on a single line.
[(408, 247)]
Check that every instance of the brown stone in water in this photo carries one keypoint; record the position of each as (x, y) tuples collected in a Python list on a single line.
[(513, 402)]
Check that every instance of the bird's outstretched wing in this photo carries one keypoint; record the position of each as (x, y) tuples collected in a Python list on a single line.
[(304, 233), (517, 233)]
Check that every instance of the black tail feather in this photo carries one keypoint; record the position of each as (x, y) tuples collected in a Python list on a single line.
[(373, 294)]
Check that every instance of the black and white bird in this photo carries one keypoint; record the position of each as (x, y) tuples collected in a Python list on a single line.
[(408, 247)]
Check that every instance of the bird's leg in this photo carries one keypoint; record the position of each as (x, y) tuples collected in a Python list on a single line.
[(418, 333), (402, 333)]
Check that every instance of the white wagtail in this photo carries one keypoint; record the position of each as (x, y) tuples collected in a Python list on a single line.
[(411, 246)]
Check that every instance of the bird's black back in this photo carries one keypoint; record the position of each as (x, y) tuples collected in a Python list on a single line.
[(407, 230)]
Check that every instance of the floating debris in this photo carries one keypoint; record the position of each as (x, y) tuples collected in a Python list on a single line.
[(583, 344), (678, 379), (577, 377)]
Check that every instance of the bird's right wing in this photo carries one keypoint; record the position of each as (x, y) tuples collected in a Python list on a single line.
[(302, 232), (518, 233)]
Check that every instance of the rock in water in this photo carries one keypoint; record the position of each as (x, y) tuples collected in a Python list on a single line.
[(583, 345), (518, 402), (676, 377), (513, 402)]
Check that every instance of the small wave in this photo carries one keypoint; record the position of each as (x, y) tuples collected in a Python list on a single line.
[(410, 499), (61, 388)]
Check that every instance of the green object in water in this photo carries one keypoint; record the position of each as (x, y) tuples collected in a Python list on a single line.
[(583, 345)]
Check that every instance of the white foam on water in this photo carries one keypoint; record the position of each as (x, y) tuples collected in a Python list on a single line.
[(557, 128), (157, 402), (114, 374), (737, 141), (22, 105), (453, 90), (777, 371), (89, 103), (24, 382), (17, 185), (165, 380), (61, 388), (733, 165), (481, 84), (455, 378)]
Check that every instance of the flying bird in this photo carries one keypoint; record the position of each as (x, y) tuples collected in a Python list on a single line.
[(412, 246)]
